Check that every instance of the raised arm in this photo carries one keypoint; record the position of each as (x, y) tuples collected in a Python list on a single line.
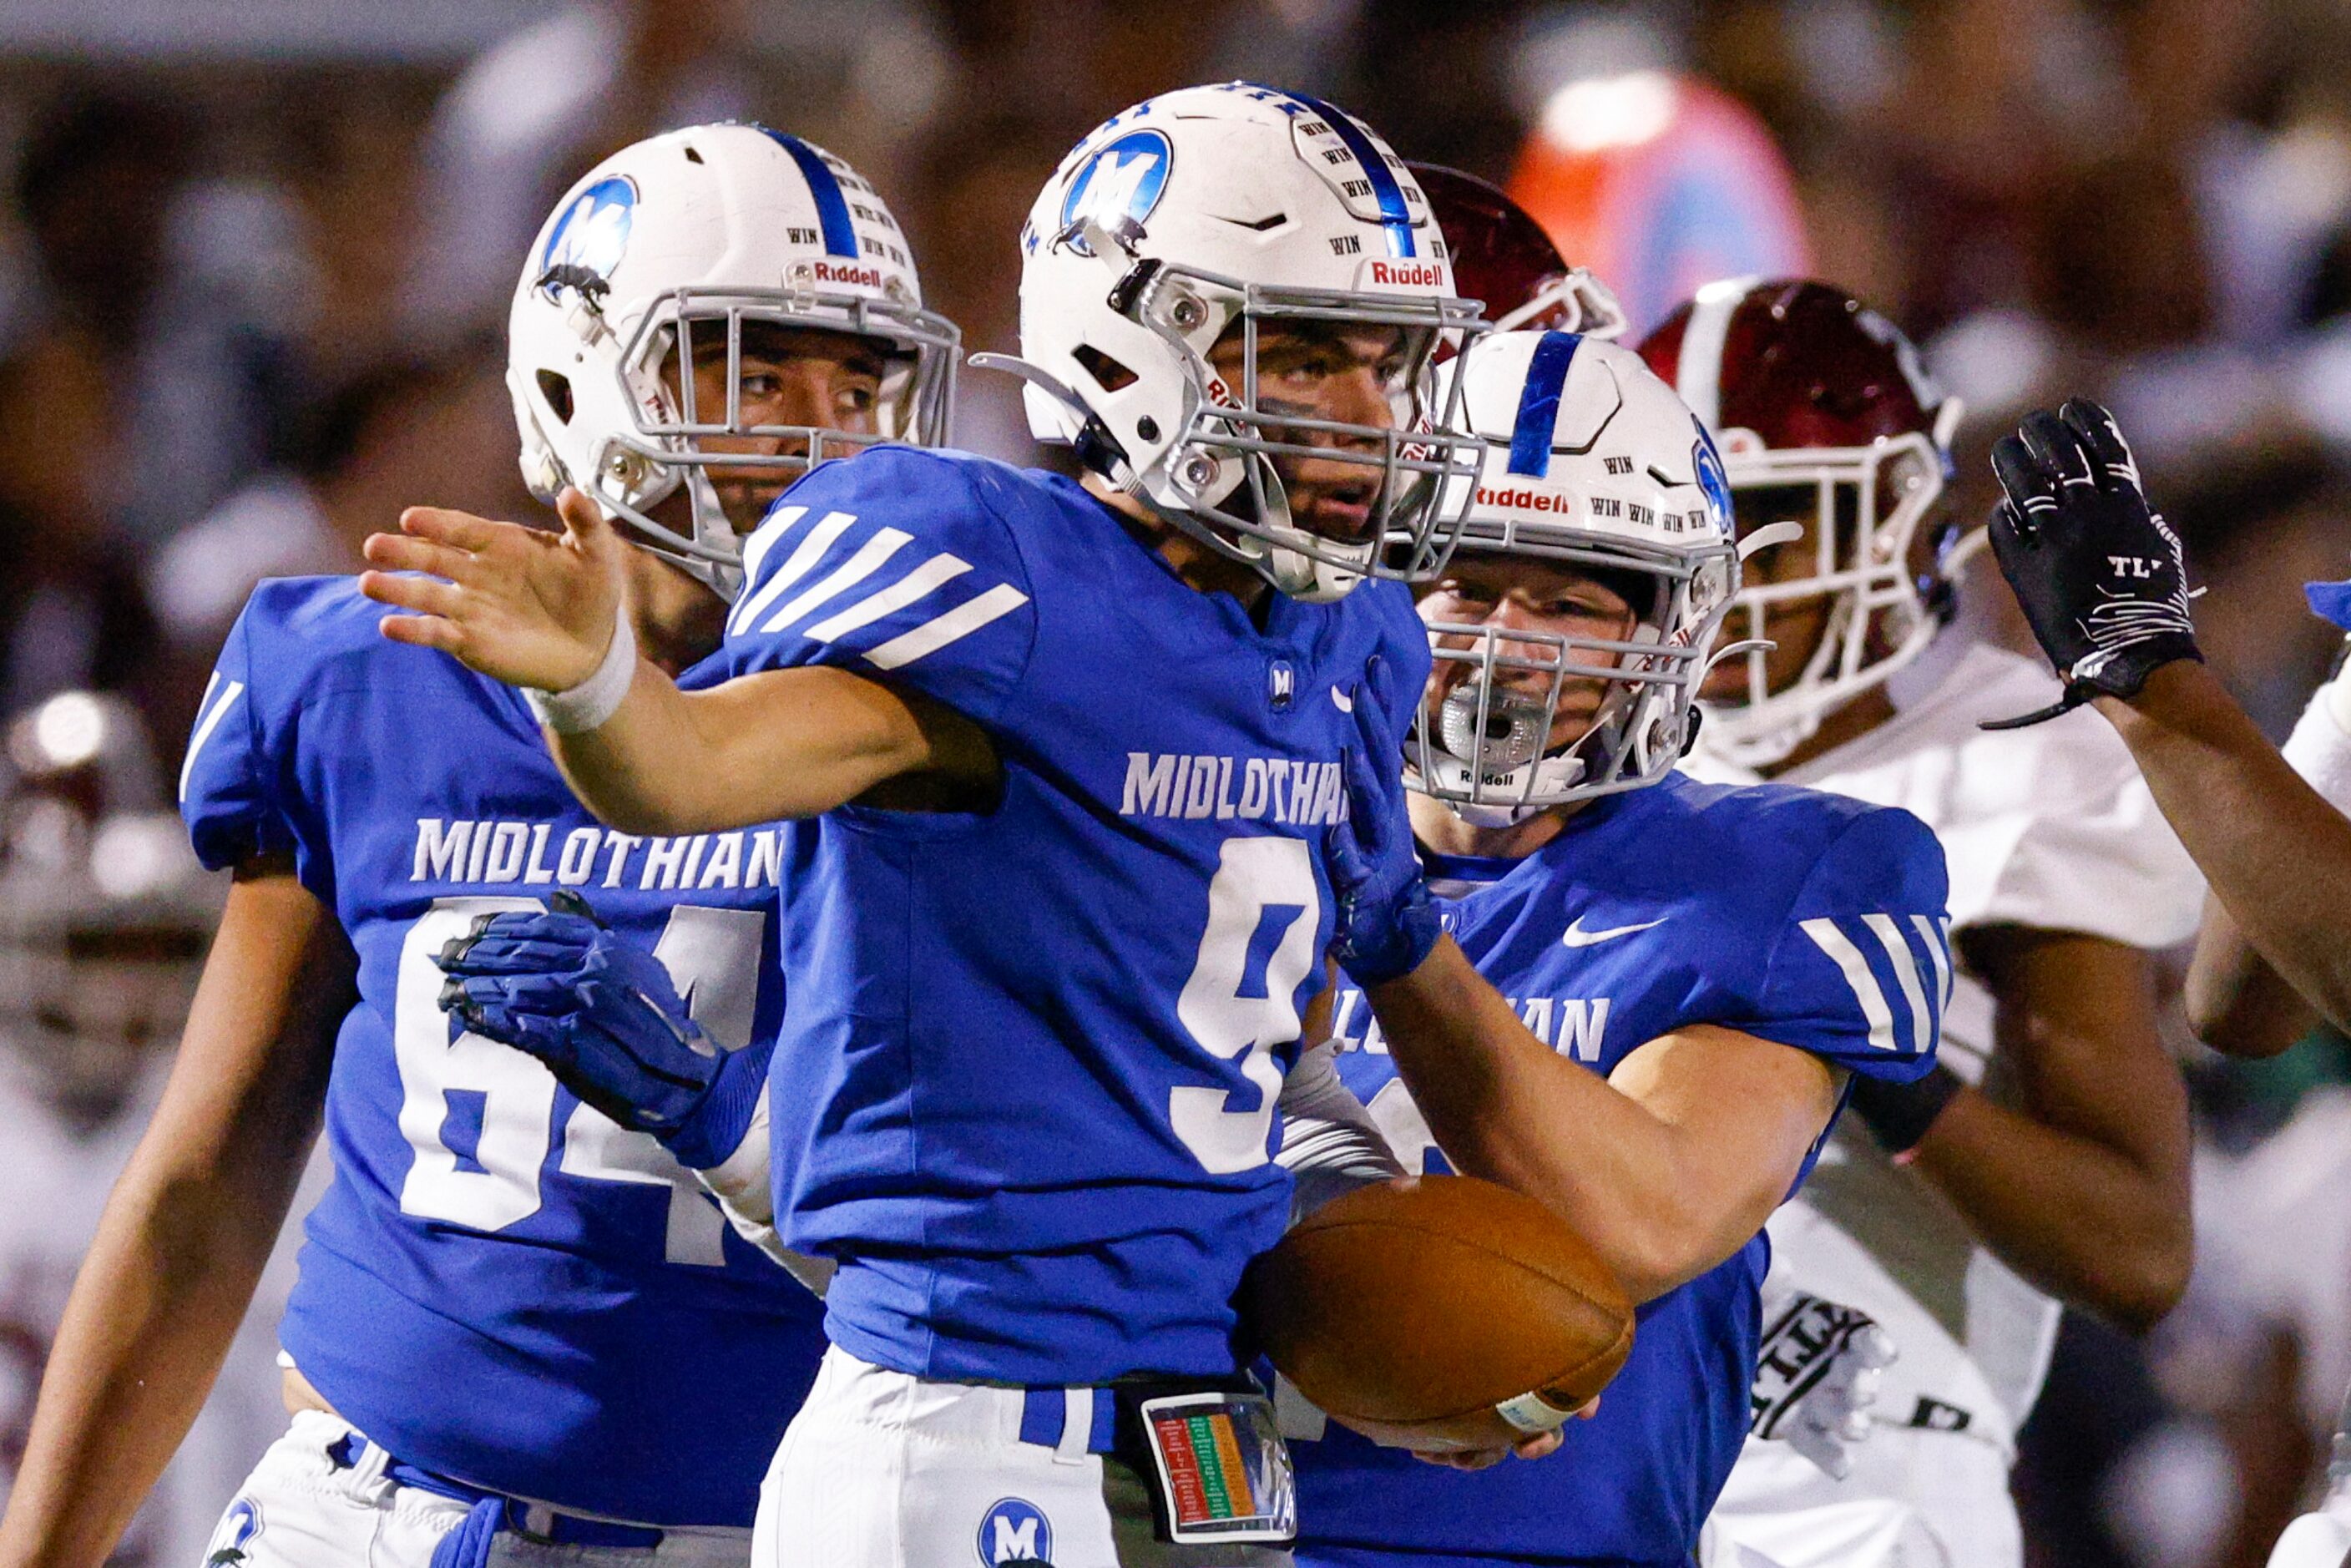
[(548, 612), (2101, 580), (188, 1228)]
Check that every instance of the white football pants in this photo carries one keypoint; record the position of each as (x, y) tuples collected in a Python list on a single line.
[(299, 1509), (1916, 1499), (881, 1470)]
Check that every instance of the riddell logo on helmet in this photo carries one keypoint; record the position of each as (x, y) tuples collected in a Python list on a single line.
[(1408, 274), (846, 272), (1524, 500)]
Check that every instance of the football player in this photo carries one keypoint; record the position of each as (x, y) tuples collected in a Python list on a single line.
[(518, 1322), (2045, 1158), (1691, 971), (1062, 754)]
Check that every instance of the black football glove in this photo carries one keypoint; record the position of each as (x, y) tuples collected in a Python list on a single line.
[(2099, 573)]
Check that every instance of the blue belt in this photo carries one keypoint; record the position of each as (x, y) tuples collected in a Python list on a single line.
[(468, 1545), (1071, 1420)]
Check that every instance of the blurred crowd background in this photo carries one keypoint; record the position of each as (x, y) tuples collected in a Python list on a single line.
[(255, 257)]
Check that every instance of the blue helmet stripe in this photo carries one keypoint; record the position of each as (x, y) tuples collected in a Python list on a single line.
[(832, 206), (1539, 403), (1395, 214)]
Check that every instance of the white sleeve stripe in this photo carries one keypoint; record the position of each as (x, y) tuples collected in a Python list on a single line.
[(1935, 940), (1906, 975), (811, 550), (766, 537), (924, 579), (1848, 958), (205, 727), (885, 543), (954, 625)]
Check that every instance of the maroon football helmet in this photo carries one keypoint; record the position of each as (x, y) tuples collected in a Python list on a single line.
[(1503, 258), (1825, 418)]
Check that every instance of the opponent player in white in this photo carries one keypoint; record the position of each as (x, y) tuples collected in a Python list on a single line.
[(519, 1326), (2046, 1159), (1063, 755)]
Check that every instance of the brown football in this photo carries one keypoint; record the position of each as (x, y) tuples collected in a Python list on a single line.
[(1407, 1305)]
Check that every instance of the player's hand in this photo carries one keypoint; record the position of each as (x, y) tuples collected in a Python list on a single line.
[(531, 607), (1816, 1377), (603, 1013), (1387, 922), (2100, 575)]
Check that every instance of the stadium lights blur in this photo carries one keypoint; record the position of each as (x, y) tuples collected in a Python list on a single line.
[(1600, 112), (64, 732)]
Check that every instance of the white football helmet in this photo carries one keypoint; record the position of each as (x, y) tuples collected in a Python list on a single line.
[(1216, 207), (1591, 462), (691, 232)]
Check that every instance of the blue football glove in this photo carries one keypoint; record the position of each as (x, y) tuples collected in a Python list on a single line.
[(1387, 922), (602, 1014)]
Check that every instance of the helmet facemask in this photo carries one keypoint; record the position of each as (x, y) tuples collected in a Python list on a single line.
[(1221, 477), (1860, 509), (1488, 740), (658, 438)]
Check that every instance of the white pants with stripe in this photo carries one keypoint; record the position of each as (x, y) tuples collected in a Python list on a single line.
[(299, 1508), (881, 1470)]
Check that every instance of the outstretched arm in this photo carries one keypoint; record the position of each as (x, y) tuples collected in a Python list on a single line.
[(2103, 582), (2236, 1003), (547, 612), (188, 1228)]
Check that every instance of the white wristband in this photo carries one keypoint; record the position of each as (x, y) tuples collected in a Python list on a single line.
[(2320, 750), (587, 704)]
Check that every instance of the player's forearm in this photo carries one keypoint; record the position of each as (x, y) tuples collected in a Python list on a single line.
[(772, 747), (2277, 856), (182, 1241), (1505, 1106), (2236, 1003), (2091, 1225)]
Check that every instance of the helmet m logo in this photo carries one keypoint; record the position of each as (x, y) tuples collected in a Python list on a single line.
[(592, 235), (1711, 479), (1121, 182)]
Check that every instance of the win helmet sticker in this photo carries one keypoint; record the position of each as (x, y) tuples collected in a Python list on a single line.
[(1015, 1530), (1120, 184), (589, 238)]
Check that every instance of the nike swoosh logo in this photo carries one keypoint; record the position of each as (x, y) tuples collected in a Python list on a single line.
[(1342, 701), (1577, 937)]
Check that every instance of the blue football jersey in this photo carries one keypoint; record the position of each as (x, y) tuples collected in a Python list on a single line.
[(501, 1284), (1026, 1091), (1800, 917)]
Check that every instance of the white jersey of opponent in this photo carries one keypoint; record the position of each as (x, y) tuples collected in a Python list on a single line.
[(2052, 827), (59, 1177)]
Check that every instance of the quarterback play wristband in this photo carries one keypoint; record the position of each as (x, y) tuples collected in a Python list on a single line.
[(587, 704), (2320, 750), (1899, 1114)]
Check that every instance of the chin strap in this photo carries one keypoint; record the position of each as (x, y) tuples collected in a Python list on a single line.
[(1097, 448)]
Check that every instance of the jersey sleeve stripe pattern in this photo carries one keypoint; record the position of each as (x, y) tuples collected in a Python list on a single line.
[(933, 574), (823, 542), (1906, 975), (868, 561), (1939, 941), (208, 721), (1924, 1010), (811, 550), (955, 624)]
